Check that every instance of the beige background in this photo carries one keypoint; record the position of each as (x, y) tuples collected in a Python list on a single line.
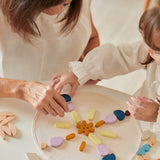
[(117, 22)]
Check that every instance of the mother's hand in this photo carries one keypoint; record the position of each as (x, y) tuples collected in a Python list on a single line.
[(44, 98)]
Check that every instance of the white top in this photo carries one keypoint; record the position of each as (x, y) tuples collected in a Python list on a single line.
[(49, 55), (108, 61)]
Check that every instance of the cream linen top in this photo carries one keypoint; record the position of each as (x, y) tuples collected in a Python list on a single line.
[(108, 61), (48, 55)]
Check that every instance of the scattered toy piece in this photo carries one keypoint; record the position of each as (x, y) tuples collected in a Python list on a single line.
[(119, 114), (141, 152), (102, 150), (109, 157), (85, 128), (143, 157), (91, 114), (127, 113), (32, 156), (2, 135), (109, 119), (151, 142), (6, 114), (146, 135), (6, 130), (62, 125), (109, 134), (146, 147), (2, 118), (7, 120), (94, 139), (100, 123), (56, 141), (66, 97), (13, 129), (70, 136), (43, 146), (83, 144), (70, 106), (75, 117)]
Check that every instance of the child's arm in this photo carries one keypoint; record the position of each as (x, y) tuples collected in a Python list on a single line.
[(104, 62)]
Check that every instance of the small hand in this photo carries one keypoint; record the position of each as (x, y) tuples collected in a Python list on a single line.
[(44, 98), (147, 109), (60, 81)]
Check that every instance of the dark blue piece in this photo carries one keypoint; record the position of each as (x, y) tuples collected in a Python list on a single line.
[(119, 114), (66, 97), (109, 157)]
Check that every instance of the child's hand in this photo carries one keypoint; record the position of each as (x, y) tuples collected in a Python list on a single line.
[(60, 81), (147, 110)]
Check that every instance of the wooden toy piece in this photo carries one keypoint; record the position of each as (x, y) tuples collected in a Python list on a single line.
[(2, 118), (139, 158), (6, 130), (43, 146), (146, 157), (6, 114), (7, 120), (151, 142), (66, 97), (32, 156), (56, 141), (102, 150), (127, 113), (75, 117), (100, 123), (109, 134), (109, 157), (146, 135), (110, 119), (62, 125), (94, 139), (83, 144), (91, 114), (2, 135), (85, 128), (119, 114), (13, 129), (70, 136)]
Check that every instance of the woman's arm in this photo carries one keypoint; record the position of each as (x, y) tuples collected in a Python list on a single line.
[(42, 97), (93, 41)]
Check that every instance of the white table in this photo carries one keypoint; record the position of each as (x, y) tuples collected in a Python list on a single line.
[(15, 148)]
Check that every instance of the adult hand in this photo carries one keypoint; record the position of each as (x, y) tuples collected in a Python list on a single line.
[(44, 98), (60, 81), (147, 109)]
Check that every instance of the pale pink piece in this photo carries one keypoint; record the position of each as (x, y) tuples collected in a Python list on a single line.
[(6, 114), (6, 130), (70, 106), (2, 118), (7, 120), (13, 129), (111, 118), (102, 150), (56, 141), (146, 135), (2, 134)]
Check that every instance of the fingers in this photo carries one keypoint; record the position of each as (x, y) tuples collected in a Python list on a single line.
[(136, 112), (39, 109), (61, 101), (56, 107), (73, 90), (54, 82)]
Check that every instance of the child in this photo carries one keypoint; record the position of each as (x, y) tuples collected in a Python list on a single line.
[(108, 61)]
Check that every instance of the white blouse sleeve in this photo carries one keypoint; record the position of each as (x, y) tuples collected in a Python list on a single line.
[(107, 61)]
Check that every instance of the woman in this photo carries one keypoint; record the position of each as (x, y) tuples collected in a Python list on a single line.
[(38, 38)]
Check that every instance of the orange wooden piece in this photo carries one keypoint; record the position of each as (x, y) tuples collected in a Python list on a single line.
[(70, 136), (83, 144), (100, 123), (85, 128)]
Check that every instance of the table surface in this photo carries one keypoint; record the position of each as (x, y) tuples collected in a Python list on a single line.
[(16, 148)]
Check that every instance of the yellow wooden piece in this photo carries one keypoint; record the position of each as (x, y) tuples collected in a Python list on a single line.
[(75, 117), (91, 114), (62, 125), (109, 134), (94, 139)]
